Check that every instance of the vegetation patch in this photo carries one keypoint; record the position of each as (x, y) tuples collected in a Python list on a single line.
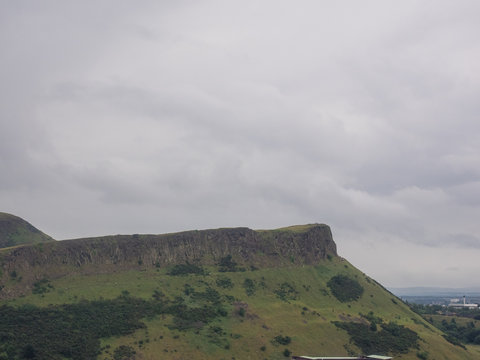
[(73, 331), (210, 295), (392, 338), (286, 292), (205, 308), (217, 336), (224, 282), (371, 317), (68, 331), (42, 286), (453, 340), (249, 286), (124, 352), (281, 340), (227, 264), (344, 288), (185, 269), (422, 355)]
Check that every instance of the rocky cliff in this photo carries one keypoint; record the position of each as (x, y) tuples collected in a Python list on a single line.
[(23, 266)]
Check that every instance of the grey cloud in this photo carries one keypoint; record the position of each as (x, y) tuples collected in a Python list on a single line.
[(464, 240), (207, 114), (467, 193)]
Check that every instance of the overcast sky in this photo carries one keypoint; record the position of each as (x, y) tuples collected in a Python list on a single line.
[(152, 117)]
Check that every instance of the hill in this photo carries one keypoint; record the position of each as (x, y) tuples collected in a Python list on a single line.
[(16, 231), (212, 294)]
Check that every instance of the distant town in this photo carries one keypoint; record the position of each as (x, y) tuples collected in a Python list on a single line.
[(446, 301), (456, 298)]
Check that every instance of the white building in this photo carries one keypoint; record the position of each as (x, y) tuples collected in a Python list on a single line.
[(455, 303)]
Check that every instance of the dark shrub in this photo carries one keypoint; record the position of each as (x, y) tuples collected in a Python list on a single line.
[(184, 269), (286, 292), (42, 286), (345, 288), (226, 264), (392, 338), (282, 340), (249, 286), (224, 282), (124, 352), (422, 355)]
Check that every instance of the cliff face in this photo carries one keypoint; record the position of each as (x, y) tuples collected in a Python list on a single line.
[(305, 245)]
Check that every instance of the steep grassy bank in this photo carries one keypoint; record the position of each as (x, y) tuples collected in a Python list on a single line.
[(259, 307), (16, 231)]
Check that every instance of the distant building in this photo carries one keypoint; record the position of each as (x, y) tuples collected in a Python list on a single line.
[(455, 303), (369, 357)]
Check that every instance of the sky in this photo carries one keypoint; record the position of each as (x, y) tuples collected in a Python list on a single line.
[(122, 117)]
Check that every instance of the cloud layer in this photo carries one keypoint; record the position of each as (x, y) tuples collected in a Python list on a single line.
[(128, 118)]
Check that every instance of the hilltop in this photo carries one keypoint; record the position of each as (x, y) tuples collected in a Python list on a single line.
[(230, 293), (16, 231), (307, 244)]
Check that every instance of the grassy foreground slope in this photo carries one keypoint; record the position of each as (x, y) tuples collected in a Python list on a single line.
[(231, 307), (16, 231)]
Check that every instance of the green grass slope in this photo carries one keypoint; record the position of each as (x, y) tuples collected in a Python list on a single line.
[(16, 231), (226, 310)]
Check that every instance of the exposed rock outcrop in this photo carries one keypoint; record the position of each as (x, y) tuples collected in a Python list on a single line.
[(303, 245)]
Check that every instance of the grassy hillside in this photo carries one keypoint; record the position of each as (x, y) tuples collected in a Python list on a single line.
[(229, 308), (16, 231)]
